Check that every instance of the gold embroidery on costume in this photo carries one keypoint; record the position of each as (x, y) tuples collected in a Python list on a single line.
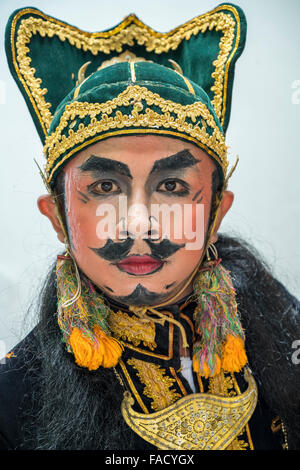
[(191, 324), (224, 385), (132, 387), (200, 421), (285, 445), (199, 379), (130, 328), (131, 30), (238, 444), (237, 388), (153, 354), (157, 384), (180, 384), (221, 384), (278, 425), (58, 143)]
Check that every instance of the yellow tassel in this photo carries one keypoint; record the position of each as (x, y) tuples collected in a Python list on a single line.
[(88, 354), (234, 356)]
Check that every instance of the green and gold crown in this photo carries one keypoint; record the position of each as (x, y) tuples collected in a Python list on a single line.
[(176, 84)]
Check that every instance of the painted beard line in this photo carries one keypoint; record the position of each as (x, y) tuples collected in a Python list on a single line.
[(140, 296)]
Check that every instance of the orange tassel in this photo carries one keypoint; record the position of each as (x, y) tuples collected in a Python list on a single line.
[(106, 352), (234, 356), (112, 349), (83, 350), (205, 372), (82, 317)]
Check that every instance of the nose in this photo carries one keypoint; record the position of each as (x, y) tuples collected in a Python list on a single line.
[(135, 220), (138, 223)]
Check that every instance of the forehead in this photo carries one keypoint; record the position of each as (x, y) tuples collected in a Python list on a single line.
[(140, 153)]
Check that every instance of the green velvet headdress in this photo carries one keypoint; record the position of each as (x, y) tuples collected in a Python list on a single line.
[(176, 84)]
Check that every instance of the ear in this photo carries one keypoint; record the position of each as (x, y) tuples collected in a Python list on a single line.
[(224, 207), (48, 208)]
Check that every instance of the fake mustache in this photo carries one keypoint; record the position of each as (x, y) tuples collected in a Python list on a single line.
[(116, 251)]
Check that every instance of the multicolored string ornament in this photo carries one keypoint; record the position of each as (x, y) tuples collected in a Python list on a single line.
[(220, 336), (82, 318)]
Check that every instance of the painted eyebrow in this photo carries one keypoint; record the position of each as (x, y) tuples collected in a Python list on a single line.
[(178, 161), (101, 164)]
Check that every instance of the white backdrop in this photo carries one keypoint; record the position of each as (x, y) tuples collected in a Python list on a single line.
[(264, 131)]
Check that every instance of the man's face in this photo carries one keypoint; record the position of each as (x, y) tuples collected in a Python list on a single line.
[(137, 209)]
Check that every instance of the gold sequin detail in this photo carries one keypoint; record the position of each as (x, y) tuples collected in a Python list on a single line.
[(129, 328), (158, 386), (58, 143), (129, 32)]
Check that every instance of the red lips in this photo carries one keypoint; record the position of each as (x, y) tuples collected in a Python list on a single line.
[(139, 264)]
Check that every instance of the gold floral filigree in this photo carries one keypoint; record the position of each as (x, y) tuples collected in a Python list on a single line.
[(57, 143), (158, 386), (129, 32), (132, 329)]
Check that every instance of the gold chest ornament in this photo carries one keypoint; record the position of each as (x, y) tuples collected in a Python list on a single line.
[(200, 421)]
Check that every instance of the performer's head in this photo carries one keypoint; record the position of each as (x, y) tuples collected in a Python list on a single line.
[(139, 180)]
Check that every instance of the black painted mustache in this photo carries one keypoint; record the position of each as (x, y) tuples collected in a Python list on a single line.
[(163, 249), (116, 251)]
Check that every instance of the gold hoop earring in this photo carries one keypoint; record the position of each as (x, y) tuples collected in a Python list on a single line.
[(212, 248)]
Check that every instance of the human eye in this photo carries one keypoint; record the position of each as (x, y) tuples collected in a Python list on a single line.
[(173, 186), (104, 187)]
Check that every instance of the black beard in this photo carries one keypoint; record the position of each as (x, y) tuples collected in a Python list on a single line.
[(78, 409), (141, 296)]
